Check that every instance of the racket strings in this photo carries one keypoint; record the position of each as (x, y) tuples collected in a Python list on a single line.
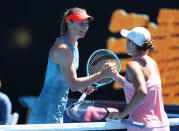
[(87, 111), (77, 111), (97, 62)]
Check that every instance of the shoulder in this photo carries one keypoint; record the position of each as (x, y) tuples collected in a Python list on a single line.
[(155, 63), (132, 66), (151, 60), (60, 50)]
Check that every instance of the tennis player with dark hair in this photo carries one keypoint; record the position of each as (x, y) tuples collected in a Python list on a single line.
[(6, 116), (5, 108), (61, 70), (142, 84)]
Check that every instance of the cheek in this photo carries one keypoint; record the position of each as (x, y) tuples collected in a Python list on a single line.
[(86, 27), (75, 28), (127, 45)]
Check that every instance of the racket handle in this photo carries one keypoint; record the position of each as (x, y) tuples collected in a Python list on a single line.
[(83, 96), (132, 123)]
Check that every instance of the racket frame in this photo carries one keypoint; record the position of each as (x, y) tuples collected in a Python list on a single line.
[(88, 102), (123, 121), (97, 51), (96, 85)]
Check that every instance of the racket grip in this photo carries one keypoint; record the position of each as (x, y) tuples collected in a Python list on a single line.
[(83, 96), (132, 123)]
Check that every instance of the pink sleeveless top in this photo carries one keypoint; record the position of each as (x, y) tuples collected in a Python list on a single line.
[(151, 111)]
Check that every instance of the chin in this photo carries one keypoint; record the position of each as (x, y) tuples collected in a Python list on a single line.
[(129, 54), (81, 36)]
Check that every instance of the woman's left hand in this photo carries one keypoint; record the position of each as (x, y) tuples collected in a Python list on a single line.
[(109, 70), (90, 90), (115, 116)]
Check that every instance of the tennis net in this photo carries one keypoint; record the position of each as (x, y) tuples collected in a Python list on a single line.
[(174, 126)]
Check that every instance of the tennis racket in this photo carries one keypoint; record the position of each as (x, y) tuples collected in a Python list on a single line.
[(90, 111), (95, 64)]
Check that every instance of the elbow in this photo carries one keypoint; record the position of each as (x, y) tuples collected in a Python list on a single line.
[(73, 87), (72, 83), (142, 93), (145, 91)]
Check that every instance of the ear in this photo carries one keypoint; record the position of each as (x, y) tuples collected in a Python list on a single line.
[(133, 44), (69, 23)]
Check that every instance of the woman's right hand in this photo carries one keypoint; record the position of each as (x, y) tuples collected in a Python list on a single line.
[(89, 89), (109, 70)]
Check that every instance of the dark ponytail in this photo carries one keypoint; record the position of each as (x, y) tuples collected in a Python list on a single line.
[(148, 45)]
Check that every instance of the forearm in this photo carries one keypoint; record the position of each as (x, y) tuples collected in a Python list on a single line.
[(76, 83), (119, 79), (84, 82)]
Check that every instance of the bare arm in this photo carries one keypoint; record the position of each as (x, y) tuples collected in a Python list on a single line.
[(137, 78), (157, 69), (119, 79), (61, 55)]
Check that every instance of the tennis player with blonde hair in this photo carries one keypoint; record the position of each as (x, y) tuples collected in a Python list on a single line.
[(61, 72)]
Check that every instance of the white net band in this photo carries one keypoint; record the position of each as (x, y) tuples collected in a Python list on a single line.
[(64, 127), (73, 126)]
